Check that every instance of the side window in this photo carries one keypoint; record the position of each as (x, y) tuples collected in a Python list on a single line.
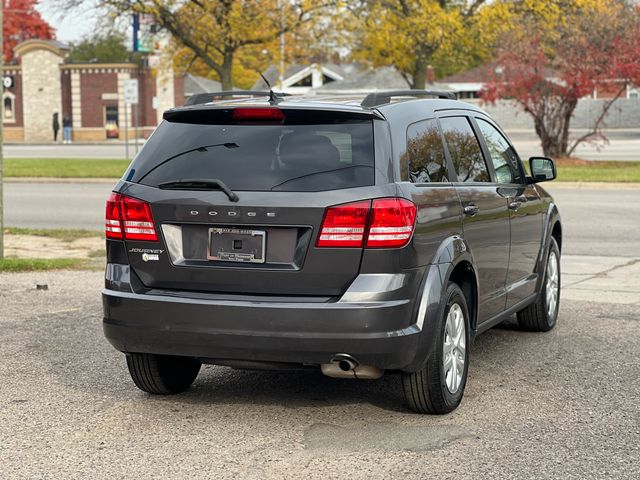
[(425, 153), (504, 158), (464, 150)]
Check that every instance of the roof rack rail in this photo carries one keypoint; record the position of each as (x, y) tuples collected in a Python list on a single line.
[(199, 98), (382, 98)]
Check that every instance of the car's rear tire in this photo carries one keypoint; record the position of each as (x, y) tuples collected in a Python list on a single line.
[(439, 386), (162, 374), (542, 315)]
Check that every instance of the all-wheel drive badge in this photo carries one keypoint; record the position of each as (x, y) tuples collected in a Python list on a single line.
[(148, 254)]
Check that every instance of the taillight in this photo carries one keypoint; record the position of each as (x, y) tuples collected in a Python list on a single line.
[(383, 223), (113, 226), (344, 225), (129, 218), (137, 220), (392, 223)]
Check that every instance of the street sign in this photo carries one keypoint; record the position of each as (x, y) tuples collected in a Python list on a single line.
[(131, 91), (7, 81)]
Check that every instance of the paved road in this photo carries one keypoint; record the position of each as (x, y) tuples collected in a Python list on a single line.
[(56, 205), (112, 150), (623, 145), (598, 221), (560, 405)]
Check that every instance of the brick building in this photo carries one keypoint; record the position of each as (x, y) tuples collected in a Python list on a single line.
[(91, 95)]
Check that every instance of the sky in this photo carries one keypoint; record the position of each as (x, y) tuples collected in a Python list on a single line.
[(70, 26)]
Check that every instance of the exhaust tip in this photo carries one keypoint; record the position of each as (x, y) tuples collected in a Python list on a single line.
[(345, 365)]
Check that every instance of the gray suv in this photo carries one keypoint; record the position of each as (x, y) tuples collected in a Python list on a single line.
[(259, 231)]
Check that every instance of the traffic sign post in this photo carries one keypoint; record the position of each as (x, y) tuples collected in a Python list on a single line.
[(130, 98)]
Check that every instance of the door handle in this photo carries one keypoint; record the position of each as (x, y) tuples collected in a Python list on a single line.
[(515, 204), (471, 209)]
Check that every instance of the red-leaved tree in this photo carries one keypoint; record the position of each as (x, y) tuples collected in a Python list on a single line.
[(547, 66), (21, 21)]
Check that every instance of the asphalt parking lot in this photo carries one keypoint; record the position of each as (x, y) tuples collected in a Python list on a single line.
[(565, 404)]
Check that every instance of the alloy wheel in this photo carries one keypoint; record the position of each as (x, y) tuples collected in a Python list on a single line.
[(552, 284), (454, 351)]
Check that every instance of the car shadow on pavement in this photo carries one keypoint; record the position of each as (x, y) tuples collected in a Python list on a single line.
[(105, 375), (309, 388), (296, 389)]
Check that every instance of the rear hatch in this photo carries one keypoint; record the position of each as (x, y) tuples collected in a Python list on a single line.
[(238, 195)]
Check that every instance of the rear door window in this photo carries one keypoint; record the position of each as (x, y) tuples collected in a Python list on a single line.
[(260, 157), (425, 158), (464, 149), (504, 158)]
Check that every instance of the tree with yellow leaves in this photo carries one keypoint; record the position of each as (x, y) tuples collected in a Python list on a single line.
[(311, 41), (216, 32), (412, 34)]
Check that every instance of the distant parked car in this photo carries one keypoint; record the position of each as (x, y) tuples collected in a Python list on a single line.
[(270, 233)]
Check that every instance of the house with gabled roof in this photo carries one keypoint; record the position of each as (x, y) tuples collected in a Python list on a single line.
[(299, 79)]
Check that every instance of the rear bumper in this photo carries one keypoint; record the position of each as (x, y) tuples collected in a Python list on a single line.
[(379, 333)]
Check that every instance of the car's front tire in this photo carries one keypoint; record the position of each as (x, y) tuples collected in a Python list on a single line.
[(542, 315), (438, 387), (162, 374)]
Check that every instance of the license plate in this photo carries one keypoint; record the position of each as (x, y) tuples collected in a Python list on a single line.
[(237, 245)]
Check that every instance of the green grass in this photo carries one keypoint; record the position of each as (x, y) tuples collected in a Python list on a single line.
[(64, 167), (63, 234), (600, 172), (36, 264)]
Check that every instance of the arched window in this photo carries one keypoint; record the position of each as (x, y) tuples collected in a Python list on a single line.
[(9, 103)]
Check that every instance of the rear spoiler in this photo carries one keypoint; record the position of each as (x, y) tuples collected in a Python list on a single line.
[(222, 114), (208, 97)]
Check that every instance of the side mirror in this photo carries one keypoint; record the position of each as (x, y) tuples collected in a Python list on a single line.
[(542, 169)]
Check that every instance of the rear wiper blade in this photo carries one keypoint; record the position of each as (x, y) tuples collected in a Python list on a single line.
[(201, 149), (200, 184), (318, 173)]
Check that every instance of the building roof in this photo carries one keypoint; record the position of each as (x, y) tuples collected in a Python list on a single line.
[(272, 73), (194, 84), (347, 79), (387, 78), (54, 46), (481, 74)]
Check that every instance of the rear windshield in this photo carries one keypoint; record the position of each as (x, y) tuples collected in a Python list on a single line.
[(305, 158)]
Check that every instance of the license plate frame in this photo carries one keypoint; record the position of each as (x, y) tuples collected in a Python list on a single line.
[(222, 245)]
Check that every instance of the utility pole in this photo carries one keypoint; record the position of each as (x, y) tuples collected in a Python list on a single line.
[(1, 139), (126, 131), (282, 47)]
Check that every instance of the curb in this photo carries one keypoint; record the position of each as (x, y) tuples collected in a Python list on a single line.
[(111, 181), (593, 185)]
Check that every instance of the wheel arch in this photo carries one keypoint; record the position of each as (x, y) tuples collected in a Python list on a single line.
[(552, 229), (453, 262), (556, 233), (464, 275)]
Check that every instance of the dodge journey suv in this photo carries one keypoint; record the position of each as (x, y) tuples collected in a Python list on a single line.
[(274, 232)]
